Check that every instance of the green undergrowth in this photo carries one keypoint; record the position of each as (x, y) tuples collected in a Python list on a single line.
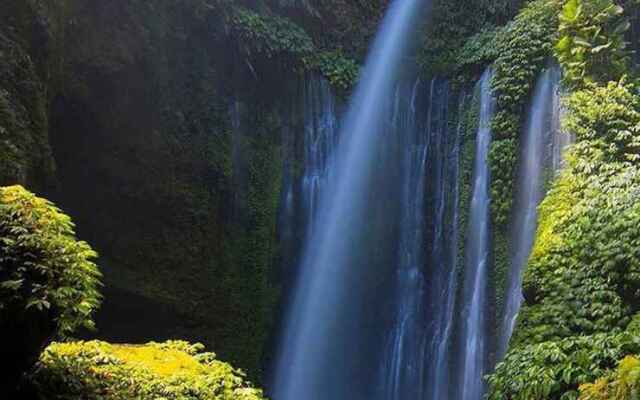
[(174, 370)]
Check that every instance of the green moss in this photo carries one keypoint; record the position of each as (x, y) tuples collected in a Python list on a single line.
[(468, 119), (25, 155), (173, 370), (254, 295), (525, 46)]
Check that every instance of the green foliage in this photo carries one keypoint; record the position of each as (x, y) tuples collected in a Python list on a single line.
[(480, 50), (277, 37), (623, 384), (270, 35), (503, 157), (25, 155), (42, 265), (525, 46), (606, 122), (584, 263), (173, 370), (447, 46), (553, 370), (592, 45), (341, 71)]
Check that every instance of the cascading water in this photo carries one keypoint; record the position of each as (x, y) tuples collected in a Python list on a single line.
[(444, 257), (318, 351), (474, 343), (415, 352), (300, 195), (321, 140), (541, 150), (560, 139), (403, 367)]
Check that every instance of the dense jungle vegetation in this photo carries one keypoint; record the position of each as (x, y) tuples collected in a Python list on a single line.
[(160, 128)]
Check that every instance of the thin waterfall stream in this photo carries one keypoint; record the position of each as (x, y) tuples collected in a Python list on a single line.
[(542, 146), (475, 346)]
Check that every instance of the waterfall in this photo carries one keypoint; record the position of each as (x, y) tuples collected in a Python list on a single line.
[(444, 256), (415, 350), (560, 139), (474, 348), (403, 367), (314, 113), (542, 146), (322, 333), (320, 142)]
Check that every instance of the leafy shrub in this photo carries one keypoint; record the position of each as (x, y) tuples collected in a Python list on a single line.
[(274, 36), (271, 35), (555, 369), (42, 265), (48, 282), (592, 46), (174, 370), (341, 72), (606, 122), (623, 384)]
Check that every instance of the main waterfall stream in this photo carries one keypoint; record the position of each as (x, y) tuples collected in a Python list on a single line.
[(324, 341)]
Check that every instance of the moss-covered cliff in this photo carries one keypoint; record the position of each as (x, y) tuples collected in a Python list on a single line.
[(158, 126)]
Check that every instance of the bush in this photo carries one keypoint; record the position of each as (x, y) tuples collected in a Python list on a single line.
[(48, 283), (623, 384), (555, 369), (174, 370)]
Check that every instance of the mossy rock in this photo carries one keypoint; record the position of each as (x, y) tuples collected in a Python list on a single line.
[(174, 370)]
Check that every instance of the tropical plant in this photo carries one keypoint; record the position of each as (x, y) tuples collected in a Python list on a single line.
[(592, 46), (48, 281)]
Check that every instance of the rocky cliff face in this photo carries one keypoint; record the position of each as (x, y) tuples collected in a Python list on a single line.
[(158, 126)]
